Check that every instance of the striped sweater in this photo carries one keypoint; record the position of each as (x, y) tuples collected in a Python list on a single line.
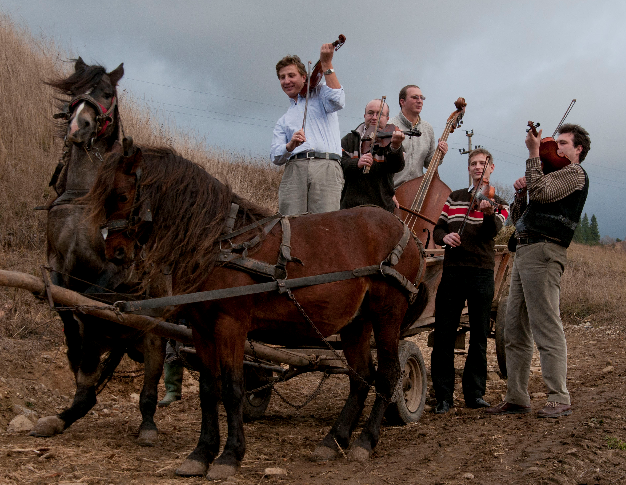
[(477, 239)]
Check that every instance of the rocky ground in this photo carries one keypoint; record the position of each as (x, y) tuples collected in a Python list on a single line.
[(463, 446)]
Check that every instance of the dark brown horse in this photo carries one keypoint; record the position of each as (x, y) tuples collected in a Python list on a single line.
[(188, 211), (76, 252)]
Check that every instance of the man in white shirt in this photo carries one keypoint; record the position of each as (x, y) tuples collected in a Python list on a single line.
[(313, 177)]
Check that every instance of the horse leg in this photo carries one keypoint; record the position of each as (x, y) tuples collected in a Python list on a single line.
[(198, 461), (154, 355), (386, 325), (231, 349), (86, 377), (355, 341)]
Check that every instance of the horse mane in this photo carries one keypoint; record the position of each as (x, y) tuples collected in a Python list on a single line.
[(79, 82), (189, 208)]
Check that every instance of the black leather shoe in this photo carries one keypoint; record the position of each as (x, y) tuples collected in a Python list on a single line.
[(476, 403), (442, 407), (507, 408)]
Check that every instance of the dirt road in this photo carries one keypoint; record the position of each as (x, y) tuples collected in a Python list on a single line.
[(463, 446)]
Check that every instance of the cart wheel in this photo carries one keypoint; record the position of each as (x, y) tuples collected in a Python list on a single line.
[(408, 402), (500, 319), (255, 404)]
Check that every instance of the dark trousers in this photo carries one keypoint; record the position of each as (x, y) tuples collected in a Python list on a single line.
[(459, 284)]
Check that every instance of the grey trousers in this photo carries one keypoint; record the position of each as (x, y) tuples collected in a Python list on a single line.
[(533, 313), (312, 186)]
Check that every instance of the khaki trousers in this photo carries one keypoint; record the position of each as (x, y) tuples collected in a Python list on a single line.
[(533, 314), (312, 185)]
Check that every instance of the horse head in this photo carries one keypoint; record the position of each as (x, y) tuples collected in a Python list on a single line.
[(128, 219), (92, 111)]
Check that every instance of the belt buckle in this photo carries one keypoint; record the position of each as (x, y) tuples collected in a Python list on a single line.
[(312, 155)]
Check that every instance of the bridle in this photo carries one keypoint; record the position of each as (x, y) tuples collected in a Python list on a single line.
[(103, 118)]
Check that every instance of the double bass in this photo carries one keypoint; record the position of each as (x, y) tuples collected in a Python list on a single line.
[(422, 199)]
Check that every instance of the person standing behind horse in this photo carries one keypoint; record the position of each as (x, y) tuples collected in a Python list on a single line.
[(544, 229), (468, 266), (313, 179), (376, 186), (418, 149)]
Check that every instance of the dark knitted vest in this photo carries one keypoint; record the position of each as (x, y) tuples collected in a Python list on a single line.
[(555, 220)]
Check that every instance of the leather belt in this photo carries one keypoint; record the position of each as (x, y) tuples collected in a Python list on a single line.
[(308, 155), (533, 240)]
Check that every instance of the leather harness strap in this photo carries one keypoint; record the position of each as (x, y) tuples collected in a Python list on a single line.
[(281, 284)]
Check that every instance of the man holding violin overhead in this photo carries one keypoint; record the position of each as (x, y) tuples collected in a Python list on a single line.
[(360, 149), (311, 150), (418, 150), (544, 228), (467, 227)]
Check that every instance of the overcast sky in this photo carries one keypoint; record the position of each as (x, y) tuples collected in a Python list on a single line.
[(210, 67)]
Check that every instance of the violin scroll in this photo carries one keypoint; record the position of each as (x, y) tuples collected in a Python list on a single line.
[(317, 74)]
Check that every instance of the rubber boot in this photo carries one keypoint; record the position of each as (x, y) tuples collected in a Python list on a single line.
[(173, 380)]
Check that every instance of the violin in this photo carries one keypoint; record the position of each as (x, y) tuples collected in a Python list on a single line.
[(317, 74), (548, 147), (488, 193)]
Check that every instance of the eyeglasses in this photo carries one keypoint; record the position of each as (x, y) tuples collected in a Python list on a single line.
[(419, 96)]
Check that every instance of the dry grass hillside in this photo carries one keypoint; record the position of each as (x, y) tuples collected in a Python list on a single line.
[(30, 150)]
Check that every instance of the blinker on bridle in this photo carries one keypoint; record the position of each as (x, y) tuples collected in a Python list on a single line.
[(138, 214)]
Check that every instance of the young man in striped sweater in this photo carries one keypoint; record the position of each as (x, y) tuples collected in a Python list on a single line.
[(468, 268)]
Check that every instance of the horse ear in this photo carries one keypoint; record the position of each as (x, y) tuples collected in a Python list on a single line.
[(79, 65), (116, 74)]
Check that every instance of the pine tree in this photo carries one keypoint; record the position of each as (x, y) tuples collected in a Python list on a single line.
[(581, 234), (594, 232)]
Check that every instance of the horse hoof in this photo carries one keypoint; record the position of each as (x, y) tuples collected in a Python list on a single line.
[(323, 453), (357, 453), (191, 468), (48, 426), (220, 472), (148, 437)]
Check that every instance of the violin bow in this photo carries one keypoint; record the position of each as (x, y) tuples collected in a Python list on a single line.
[(306, 103), (478, 188), (366, 169)]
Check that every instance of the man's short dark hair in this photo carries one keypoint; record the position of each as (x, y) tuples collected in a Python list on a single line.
[(288, 61), (581, 138), (403, 91), (478, 151)]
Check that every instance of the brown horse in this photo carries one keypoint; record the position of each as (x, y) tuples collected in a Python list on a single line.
[(188, 211), (76, 257)]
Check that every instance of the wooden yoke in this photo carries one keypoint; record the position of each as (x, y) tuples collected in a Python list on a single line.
[(422, 199)]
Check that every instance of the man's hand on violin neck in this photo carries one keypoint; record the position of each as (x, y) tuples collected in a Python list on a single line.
[(532, 143), (326, 56), (486, 208), (396, 140)]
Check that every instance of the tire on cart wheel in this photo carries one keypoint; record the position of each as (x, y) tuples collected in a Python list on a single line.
[(408, 400), (499, 330), (255, 403)]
